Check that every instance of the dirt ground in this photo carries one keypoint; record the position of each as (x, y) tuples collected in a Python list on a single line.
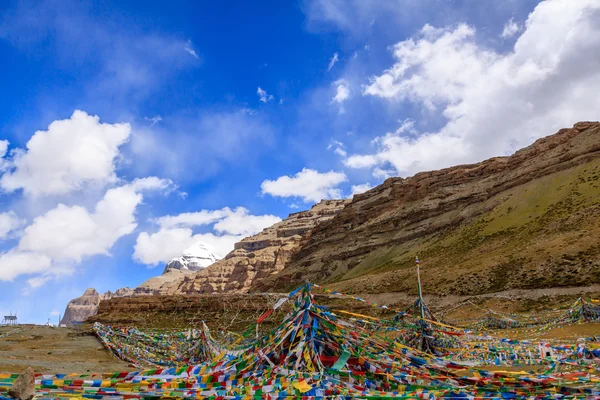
[(55, 350)]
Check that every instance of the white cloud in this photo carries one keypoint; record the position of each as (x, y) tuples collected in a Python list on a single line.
[(342, 91), (340, 152), (69, 233), (240, 222), (14, 263), (511, 28), (493, 103), (9, 222), (263, 95), (162, 246), (308, 184), (191, 219), (63, 236), (333, 61), (36, 282), (357, 189), (190, 49), (54, 313), (72, 153), (237, 222), (3, 150), (383, 174), (175, 234)]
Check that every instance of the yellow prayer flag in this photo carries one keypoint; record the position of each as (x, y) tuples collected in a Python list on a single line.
[(302, 386)]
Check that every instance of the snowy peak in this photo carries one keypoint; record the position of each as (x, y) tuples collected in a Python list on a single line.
[(194, 258)]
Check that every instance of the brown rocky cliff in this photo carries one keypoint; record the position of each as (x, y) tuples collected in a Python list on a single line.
[(505, 222), (80, 309), (258, 256)]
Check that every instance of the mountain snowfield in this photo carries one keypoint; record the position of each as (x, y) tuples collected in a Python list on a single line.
[(194, 258)]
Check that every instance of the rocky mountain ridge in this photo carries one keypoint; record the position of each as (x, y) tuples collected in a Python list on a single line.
[(530, 220), (256, 257), (85, 306)]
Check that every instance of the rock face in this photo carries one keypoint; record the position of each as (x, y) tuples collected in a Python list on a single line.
[(256, 257), (531, 220), (81, 308)]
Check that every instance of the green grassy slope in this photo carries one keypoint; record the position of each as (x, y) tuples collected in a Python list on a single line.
[(545, 233)]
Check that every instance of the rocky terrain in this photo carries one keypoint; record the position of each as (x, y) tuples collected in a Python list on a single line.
[(256, 257), (531, 220), (80, 309), (198, 270)]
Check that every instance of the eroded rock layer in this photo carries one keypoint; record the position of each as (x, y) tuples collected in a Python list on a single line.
[(258, 256), (531, 220)]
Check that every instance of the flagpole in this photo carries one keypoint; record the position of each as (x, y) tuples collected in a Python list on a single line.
[(420, 292)]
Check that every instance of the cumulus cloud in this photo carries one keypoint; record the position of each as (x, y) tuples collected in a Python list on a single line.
[(162, 246), (69, 233), (357, 189), (241, 223), (14, 263), (176, 234), (333, 61), (308, 184), (9, 222), (511, 28), (55, 241), (190, 219), (70, 154), (493, 103), (263, 95)]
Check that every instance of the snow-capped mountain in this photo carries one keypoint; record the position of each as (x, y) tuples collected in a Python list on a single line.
[(194, 258)]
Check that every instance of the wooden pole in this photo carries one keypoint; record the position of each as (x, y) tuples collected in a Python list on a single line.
[(420, 291)]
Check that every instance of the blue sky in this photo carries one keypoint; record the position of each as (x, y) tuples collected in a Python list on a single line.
[(131, 129)]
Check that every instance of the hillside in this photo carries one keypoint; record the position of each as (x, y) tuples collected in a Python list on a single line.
[(531, 220)]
